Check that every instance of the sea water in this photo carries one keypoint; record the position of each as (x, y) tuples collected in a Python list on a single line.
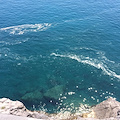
[(72, 43)]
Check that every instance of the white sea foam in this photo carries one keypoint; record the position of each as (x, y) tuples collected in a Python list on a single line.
[(21, 29), (97, 52), (90, 61)]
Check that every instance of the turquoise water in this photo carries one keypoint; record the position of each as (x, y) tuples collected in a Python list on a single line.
[(72, 45)]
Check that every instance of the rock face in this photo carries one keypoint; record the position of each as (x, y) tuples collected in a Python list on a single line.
[(32, 97), (54, 93), (8, 106), (108, 108)]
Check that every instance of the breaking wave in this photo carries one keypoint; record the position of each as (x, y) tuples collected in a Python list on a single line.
[(90, 61), (21, 29)]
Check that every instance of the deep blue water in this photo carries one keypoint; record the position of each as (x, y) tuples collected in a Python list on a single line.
[(74, 43)]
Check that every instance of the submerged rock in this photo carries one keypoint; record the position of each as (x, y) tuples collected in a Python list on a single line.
[(54, 93), (32, 97)]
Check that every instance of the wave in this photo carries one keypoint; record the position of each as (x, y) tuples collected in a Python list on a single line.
[(21, 29), (90, 61)]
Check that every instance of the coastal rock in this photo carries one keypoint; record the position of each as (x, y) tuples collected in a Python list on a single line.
[(107, 109), (54, 93), (89, 115), (13, 107), (34, 97), (8, 106)]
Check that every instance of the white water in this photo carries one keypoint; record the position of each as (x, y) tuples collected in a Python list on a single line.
[(21, 29), (90, 61)]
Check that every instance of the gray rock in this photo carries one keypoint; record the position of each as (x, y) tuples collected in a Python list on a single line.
[(55, 92), (13, 107), (8, 106), (107, 109), (40, 115), (13, 117), (35, 97)]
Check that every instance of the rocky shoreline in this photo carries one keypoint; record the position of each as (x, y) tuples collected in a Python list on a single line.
[(106, 110)]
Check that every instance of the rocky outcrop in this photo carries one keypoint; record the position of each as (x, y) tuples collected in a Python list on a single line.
[(8, 106), (107, 109), (14, 117)]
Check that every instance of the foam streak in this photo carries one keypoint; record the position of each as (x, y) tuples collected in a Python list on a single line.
[(93, 62), (21, 29)]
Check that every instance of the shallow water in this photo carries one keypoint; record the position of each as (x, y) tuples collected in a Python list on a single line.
[(74, 44)]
